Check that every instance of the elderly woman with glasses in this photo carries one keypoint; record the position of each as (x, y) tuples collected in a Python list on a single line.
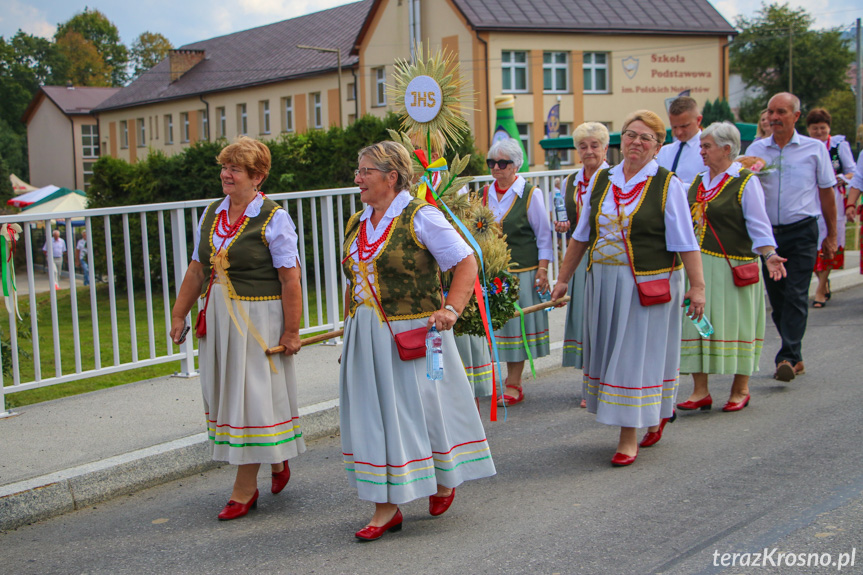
[(404, 436), (635, 228), (520, 209), (731, 226), (591, 141)]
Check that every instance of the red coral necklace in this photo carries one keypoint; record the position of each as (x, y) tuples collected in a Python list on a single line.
[(367, 250), (624, 199), (225, 230)]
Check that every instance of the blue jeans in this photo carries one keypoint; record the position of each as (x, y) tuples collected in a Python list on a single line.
[(86, 270)]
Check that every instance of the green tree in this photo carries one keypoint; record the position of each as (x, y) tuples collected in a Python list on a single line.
[(148, 50), (842, 108), (26, 62), (94, 26), (707, 113), (85, 66), (716, 111), (760, 54)]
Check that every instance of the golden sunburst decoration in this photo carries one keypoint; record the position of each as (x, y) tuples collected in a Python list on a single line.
[(437, 99)]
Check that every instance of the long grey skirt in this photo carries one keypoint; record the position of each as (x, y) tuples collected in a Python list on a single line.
[(252, 413), (510, 344), (631, 352), (403, 434), (573, 334), (477, 361)]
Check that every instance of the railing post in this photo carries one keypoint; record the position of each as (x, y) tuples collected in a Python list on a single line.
[(330, 255), (181, 259)]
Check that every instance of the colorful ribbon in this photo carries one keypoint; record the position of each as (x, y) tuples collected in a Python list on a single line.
[(485, 314), (221, 265), (524, 339), (8, 241)]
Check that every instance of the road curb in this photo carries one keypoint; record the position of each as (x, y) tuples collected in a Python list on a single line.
[(53, 494)]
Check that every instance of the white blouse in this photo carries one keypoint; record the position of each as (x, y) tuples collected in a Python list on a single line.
[(679, 234), (537, 215), (754, 211), (281, 234)]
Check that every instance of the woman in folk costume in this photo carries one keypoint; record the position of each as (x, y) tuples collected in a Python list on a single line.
[(246, 265), (591, 141), (404, 436), (818, 124), (636, 225), (731, 226), (520, 210)]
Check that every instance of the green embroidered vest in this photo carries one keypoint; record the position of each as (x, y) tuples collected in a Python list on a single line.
[(725, 212), (645, 234), (406, 274), (251, 270), (519, 235), (570, 191)]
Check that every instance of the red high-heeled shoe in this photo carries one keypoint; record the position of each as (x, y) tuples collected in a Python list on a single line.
[(437, 504), (653, 437), (233, 509), (705, 403), (737, 406), (280, 479), (622, 460), (370, 532)]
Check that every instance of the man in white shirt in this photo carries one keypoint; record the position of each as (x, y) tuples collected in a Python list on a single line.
[(58, 248), (798, 189), (81, 257), (683, 157)]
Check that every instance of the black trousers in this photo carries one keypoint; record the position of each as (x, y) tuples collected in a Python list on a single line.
[(789, 297)]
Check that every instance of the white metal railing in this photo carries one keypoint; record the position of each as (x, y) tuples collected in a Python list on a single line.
[(319, 215)]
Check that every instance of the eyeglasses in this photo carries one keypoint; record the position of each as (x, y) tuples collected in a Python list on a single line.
[(501, 164), (364, 172), (631, 135)]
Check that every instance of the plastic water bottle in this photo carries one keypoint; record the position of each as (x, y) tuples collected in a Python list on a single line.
[(560, 207), (434, 354), (704, 327), (544, 296)]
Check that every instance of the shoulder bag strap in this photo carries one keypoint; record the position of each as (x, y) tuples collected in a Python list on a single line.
[(709, 225)]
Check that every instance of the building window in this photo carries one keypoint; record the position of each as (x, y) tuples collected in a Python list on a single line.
[(380, 75), (205, 124), (124, 134), (352, 118), (169, 128), (184, 121), (564, 155), (90, 140), (154, 127), (317, 111), (514, 69), (524, 136), (142, 133), (555, 72), (288, 106), (264, 112), (352, 91), (242, 120), (595, 73), (88, 173), (223, 122)]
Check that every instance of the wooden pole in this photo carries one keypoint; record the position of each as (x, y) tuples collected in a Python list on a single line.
[(339, 332)]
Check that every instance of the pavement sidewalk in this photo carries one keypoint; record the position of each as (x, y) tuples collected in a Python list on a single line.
[(71, 453)]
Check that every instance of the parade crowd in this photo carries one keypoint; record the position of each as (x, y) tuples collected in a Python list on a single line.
[(669, 255)]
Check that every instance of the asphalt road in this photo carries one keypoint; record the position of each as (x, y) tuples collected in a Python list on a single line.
[(785, 475)]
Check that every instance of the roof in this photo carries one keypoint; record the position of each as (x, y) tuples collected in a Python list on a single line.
[(690, 17), (253, 57), (77, 100)]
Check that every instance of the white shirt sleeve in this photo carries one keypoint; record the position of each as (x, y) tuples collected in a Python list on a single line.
[(445, 244), (281, 235), (857, 180), (846, 157), (755, 213), (679, 233), (538, 218)]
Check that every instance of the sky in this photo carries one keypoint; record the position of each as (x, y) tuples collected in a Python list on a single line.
[(187, 21)]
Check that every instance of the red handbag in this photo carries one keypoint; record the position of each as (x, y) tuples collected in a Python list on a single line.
[(201, 319), (411, 344), (744, 274)]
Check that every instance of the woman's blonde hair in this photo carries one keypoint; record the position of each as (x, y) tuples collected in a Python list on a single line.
[(253, 155), (388, 156), (759, 131), (591, 130), (649, 119)]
